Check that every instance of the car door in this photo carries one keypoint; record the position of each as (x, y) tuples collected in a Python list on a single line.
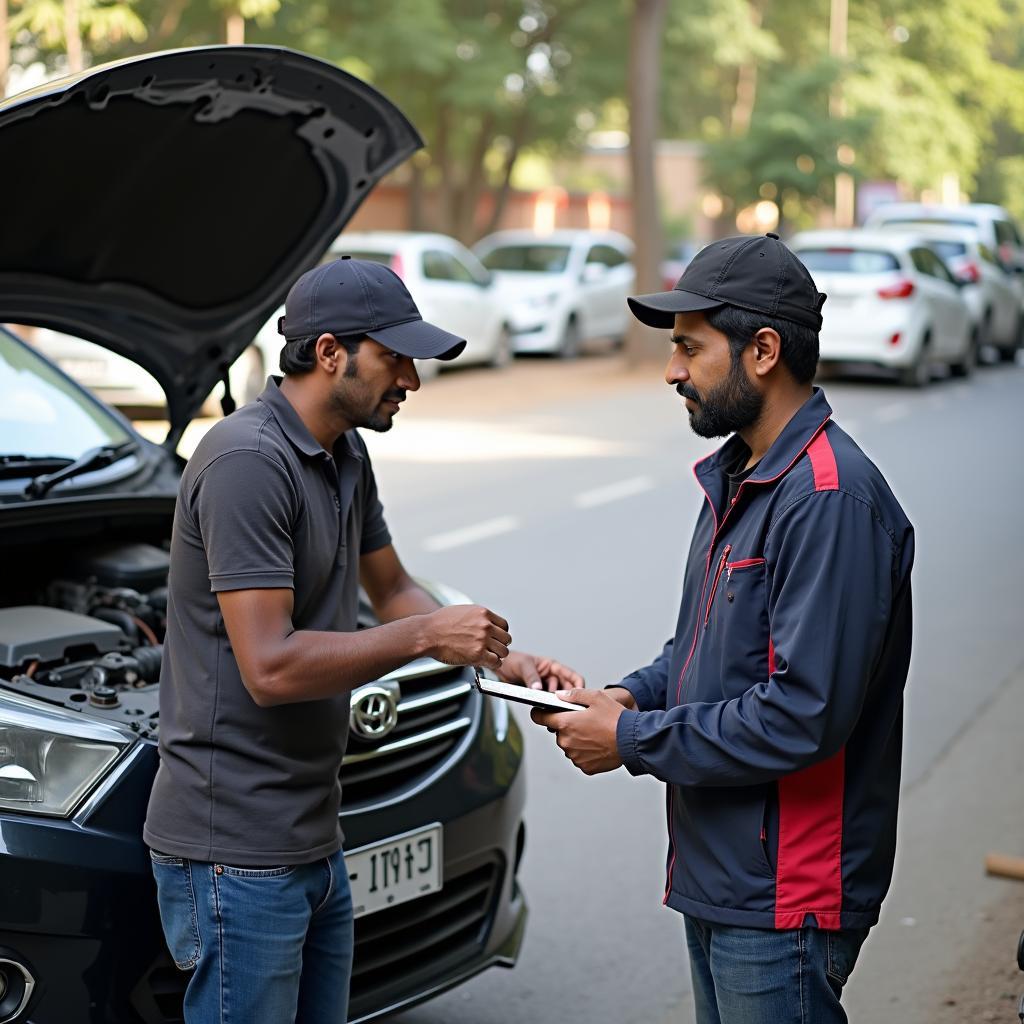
[(949, 311), (456, 298), (601, 287)]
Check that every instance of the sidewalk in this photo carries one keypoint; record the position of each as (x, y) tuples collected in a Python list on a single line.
[(945, 949)]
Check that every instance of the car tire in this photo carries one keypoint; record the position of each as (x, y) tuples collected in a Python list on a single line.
[(503, 350), (569, 343), (919, 373), (965, 367)]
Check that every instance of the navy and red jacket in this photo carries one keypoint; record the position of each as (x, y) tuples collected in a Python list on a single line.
[(775, 713)]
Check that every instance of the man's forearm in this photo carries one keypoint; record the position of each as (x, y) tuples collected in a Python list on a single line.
[(411, 599), (313, 665)]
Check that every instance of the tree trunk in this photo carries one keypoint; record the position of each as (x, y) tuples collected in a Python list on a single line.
[(644, 70), (234, 28), (475, 180), (73, 36), (504, 188), (442, 160), (746, 84), (5, 49), (414, 196)]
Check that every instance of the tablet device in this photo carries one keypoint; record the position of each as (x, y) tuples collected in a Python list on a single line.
[(542, 699)]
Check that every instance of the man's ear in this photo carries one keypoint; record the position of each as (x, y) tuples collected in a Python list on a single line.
[(767, 350), (329, 354)]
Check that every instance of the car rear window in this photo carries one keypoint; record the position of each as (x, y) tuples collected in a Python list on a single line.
[(847, 260), (535, 259), (948, 250)]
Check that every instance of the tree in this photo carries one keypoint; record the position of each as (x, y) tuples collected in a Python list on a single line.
[(62, 27), (644, 72)]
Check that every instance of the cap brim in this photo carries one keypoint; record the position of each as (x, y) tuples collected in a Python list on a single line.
[(420, 340), (659, 309)]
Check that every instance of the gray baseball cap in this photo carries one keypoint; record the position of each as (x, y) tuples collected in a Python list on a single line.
[(353, 297)]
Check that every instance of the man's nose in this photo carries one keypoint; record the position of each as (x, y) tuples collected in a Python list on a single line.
[(408, 378), (676, 372)]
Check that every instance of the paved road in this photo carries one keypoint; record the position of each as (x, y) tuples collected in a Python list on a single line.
[(565, 500)]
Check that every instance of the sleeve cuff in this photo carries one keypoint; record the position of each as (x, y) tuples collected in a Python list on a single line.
[(272, 579), (625, 740), (374, 541)]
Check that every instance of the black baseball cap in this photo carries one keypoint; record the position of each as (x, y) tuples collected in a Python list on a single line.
[(758, 273), (356, 297)]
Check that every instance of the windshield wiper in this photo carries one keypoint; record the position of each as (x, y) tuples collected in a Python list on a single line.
[(94, 458), (16, 464)]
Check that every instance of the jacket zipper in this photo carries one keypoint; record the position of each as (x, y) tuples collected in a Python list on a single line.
[(714, 586)]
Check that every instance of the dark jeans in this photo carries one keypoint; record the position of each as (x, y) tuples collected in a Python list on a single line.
[(266, 945), (759, 976)]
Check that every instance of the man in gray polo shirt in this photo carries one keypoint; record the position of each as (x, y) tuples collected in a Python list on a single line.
[(277, 524)]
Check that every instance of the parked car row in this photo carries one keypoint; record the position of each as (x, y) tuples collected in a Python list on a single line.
[(517, 292), (919, 286)]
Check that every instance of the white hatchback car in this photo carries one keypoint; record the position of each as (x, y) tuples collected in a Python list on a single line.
[(564, 288), (892, 303), (449, 285)]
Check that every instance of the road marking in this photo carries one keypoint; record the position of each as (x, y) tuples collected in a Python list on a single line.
[(470, 534), (891, 413), (613, 492)]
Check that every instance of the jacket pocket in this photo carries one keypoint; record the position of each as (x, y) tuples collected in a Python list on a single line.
[(735, 644)]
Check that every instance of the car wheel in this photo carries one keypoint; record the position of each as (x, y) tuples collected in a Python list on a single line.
[(569, 344), (919, 373), (965, 367), (502, 354)]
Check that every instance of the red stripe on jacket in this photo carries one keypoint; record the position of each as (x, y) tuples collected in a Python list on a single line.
[(809, 871), (823, 464)]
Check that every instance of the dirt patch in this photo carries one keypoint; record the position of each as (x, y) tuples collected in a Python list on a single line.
[(986, 984)]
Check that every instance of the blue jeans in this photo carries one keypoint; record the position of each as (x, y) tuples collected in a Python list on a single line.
[(265, 945), (759, 976)]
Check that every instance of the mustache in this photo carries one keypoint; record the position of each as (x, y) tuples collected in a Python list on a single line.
[(398, 395), (688, 392)]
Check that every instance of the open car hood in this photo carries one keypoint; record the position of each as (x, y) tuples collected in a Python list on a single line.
[(162, 206)]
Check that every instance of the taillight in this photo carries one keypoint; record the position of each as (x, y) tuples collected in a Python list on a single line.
[(895, 339), (900, 290), (970, 272), (396, 265)]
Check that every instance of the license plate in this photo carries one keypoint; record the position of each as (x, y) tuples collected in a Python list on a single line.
[(395, 871)]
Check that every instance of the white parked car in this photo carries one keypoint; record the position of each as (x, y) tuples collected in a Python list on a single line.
[(448, 283), (994, 225), (892, 302), (565, 287), (992, 293)]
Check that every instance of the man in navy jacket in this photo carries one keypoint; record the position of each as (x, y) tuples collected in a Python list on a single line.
[(775, 712)]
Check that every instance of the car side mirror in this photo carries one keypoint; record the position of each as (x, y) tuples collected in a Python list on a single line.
[(487, 280), (593, 272)]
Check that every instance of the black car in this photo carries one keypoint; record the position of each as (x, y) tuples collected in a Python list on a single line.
[(161, 207)]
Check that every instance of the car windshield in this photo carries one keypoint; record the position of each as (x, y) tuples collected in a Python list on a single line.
[(531, 259), (45, 414), (842, 260)]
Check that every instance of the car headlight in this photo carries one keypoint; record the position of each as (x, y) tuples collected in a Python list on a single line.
[(48, 762), (545, 301)]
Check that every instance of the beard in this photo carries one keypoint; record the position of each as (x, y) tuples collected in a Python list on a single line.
[(732, 405), (359, 405)]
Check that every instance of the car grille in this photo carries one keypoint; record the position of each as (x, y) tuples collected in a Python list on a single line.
[(433, 714), (405, 949)]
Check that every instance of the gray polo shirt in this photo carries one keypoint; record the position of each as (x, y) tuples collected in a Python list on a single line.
[(261, 505)]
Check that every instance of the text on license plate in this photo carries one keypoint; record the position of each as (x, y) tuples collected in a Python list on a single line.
[(397, 870)]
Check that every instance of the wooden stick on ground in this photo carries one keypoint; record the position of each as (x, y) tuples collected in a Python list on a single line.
[(1004, 866)]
